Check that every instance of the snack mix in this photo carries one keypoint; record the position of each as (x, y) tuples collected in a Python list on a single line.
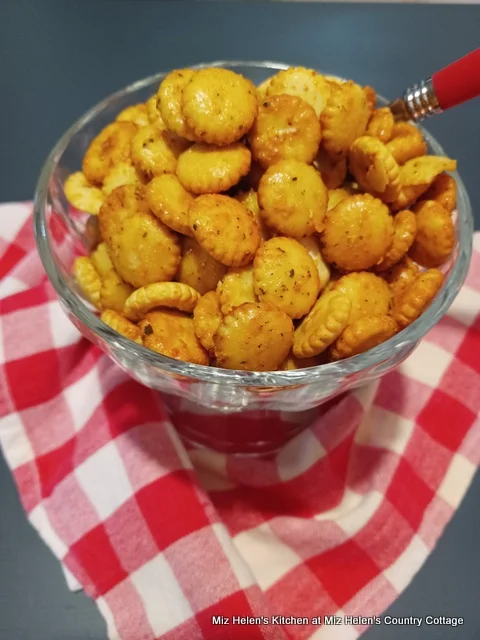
[(261, 228)]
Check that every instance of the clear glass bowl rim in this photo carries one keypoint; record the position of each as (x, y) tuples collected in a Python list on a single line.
[(412, 334)]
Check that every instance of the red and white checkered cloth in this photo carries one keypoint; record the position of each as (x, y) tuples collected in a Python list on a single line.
[(164, 540)]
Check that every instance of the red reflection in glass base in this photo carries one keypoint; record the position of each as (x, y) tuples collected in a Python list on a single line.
[(244, 433)]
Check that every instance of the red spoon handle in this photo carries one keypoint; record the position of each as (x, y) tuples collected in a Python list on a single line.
[(458, 82)]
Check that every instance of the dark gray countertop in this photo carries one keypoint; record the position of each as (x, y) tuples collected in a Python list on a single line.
[(58, 58)]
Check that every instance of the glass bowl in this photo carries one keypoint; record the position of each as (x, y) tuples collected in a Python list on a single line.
[(235, 411)]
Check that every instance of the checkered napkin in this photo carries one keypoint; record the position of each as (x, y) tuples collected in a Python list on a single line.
[(170, 542)]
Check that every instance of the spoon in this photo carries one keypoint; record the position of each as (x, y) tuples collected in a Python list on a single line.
[(447, 88)]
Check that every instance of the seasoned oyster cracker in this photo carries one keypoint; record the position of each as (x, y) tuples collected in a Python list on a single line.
[(197, 267), (174, 295), (286, 128), (219, 105), (406, 142), (142, 249), (417, 297), (136, 113), (313, 249), (374, 168), (417, 175), (206, 319), (250, 200), (121, 174), (121, 325), (87, 279), (363, 334), (83, 195), (381, 124), (253, 337), (211, 169), (155, 151), (303, 83), (172, 333), (293, 199), (169, 102), (225, 229), (358, 233), (400, 276), (322, 326), (111, 146), (435, 237), (170, 202), (235, 288), (444, 191), (369, 295), (404, 232), (285, 275), (344, 118)]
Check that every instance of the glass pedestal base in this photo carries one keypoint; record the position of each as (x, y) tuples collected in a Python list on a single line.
[(249, 433)]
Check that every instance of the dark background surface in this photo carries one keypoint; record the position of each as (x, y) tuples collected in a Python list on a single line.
[(58, 58)]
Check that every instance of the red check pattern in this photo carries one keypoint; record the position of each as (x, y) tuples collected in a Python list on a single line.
[(164, 539)]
